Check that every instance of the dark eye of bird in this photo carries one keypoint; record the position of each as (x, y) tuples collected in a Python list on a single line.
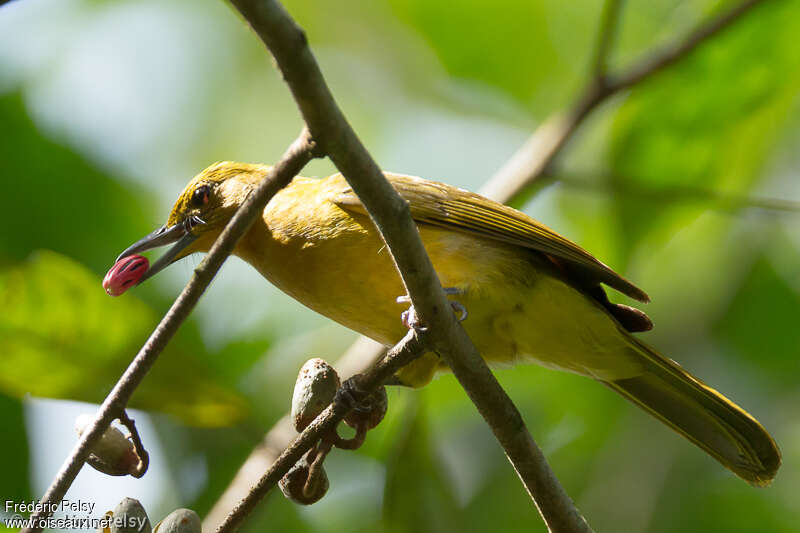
[(200, 196)]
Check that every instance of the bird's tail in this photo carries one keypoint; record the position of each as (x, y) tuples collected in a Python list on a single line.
[(702, 415)]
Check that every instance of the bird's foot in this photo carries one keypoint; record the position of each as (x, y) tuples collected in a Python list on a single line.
[(411, 319)]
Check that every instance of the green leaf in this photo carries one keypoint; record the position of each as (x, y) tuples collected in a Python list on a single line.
[(61, 336), (430, 505), (57, 200), (761, 324), (711, 121), (536, 52), (14, 483)]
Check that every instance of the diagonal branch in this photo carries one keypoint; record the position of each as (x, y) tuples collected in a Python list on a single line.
[(362, 355), (408, 349), (534, 158), (671, 54), (627, 186), (605, 37), (295, 158), (392, 217)]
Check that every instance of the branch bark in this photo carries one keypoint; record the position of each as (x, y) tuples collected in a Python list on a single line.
[(362, 355), (408, 349), (391, 215), (295, 158)]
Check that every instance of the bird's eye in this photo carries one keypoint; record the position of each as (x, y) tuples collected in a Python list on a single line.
[(200, 196)]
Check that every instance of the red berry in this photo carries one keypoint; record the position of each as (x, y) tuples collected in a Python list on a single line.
[(125, 274)]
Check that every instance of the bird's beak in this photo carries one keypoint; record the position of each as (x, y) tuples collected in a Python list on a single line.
[(179, 235)]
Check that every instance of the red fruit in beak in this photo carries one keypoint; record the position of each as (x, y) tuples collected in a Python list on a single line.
[(125, 274)]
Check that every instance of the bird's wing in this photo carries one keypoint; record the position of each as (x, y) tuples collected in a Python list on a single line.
[(446, 206)]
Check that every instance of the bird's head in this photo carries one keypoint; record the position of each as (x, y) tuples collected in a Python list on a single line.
[(201, 212)]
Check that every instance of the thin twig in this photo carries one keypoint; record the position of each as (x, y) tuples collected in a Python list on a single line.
[(295, 158), (605, 38), (408, 349), (676, 193), (363, 354), (138, 446), (538, 153), (315, 469), (355, 442), (670, 54), (392, 217)]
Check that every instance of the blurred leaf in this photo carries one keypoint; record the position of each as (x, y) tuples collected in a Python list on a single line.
[(534, 51), (417, 497), (62, 337), (761, 323), (55, 199), (710, 121), (14, 484), (719, 505)]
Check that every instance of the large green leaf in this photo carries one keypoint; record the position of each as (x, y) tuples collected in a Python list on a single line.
[(14, 484), (55, 199), (61, 336), (760, 324), (535, 51), (412, 462), (711, 121)]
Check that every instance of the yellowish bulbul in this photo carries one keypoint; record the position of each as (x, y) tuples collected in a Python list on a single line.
[(531, 294)]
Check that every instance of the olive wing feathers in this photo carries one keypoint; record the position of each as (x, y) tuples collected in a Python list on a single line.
[(446, 206)]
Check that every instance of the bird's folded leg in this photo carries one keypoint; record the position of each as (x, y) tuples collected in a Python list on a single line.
[(411, 320)]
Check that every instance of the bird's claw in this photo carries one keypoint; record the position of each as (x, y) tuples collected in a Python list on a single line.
[(460, 309), (411, 320)]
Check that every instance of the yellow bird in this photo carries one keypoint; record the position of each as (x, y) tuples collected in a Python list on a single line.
[(531, 294)]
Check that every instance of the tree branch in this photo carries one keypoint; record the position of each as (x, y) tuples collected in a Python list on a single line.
[(348, 153), (408, 349), (538, 153), (391, 215), (362, 355), (669, 55), (295, 158), (721, 200), (532, 161)]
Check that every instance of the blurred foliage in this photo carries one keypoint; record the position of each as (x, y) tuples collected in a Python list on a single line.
[(716, 131), (767, 299), (45, 197), (534, 51), (15, 485), (411, 458), (57, 316), (108, 108), (58, 320)]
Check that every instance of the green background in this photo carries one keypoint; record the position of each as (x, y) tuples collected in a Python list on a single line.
[(687, 184)]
